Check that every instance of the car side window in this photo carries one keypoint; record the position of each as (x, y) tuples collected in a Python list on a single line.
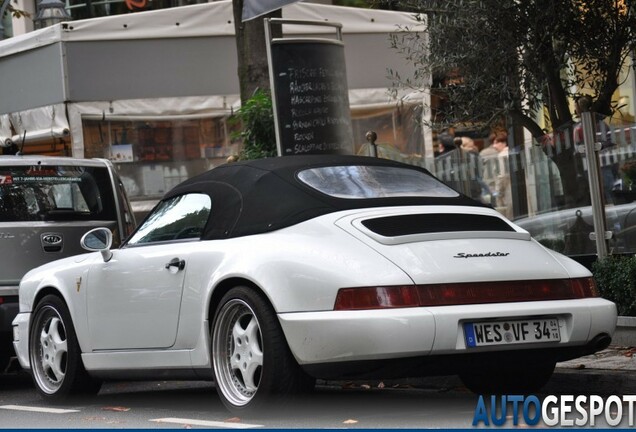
[(176, 219)]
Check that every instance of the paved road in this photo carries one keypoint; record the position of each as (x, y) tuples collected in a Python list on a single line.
[(435, 403), (195, 404)]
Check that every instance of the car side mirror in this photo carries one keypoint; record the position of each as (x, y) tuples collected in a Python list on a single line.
[(98, 240)]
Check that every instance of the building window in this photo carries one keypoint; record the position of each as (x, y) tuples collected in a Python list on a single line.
[(153, 156)]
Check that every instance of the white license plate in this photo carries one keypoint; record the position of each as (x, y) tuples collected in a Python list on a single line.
[(511, 332)]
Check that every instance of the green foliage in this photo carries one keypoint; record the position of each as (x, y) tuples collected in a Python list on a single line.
[(616, 279), (256, 116), (514, 57)]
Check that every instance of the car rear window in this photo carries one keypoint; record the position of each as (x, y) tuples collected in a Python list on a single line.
[(62, 193), (363, 182)]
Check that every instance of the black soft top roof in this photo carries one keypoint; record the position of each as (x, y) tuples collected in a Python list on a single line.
[(264, 195)]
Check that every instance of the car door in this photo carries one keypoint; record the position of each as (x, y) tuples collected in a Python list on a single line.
[(134, 298)]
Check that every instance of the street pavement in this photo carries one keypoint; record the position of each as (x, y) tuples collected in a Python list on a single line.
[(608, 372), (611, 371)]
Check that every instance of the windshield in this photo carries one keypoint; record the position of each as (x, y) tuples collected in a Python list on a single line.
[(55, 193), (359, 181)]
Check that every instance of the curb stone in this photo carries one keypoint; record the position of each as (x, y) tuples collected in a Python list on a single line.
[(625, 334)]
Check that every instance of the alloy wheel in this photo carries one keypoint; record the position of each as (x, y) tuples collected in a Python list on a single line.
[(49, 352), (238, 352)]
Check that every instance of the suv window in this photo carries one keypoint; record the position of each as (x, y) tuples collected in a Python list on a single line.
[(55, 193)]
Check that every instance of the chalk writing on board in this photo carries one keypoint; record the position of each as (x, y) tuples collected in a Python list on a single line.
[(312, 98)]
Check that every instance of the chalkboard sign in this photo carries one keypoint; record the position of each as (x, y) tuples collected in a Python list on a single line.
[(311, 97)]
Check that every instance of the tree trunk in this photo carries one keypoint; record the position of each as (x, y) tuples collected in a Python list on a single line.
[(251, 51)]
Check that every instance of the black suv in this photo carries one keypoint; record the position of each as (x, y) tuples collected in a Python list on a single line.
[(46, 206)]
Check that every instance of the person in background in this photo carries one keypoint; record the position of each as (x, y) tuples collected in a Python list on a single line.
[(490, 167), (503, 187), (447, 161), (445, 144), (479, 190), (468, 145)]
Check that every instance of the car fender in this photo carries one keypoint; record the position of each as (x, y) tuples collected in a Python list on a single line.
[(66, 278), (283, 265), (573, 268), (301, 268)]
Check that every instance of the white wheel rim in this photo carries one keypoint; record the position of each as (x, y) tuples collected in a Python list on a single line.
[(237, 352)]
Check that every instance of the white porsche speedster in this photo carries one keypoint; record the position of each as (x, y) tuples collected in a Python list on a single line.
[(264, 275)]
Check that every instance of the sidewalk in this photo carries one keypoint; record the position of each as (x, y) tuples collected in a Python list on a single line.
[(611, 371)]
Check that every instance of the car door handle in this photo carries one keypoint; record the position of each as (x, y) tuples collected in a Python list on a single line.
[(176, 262)]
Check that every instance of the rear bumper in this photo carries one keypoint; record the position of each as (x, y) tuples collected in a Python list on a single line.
[(316, 338), (449, 364)]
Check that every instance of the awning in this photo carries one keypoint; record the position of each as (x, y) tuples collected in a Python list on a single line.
[(34, 125)]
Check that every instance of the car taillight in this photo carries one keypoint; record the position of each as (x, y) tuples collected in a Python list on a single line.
[(377, 297), (464, 293), (585, 287), (1, 300)]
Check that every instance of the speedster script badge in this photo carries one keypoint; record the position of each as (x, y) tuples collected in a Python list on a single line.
[(481, 255)]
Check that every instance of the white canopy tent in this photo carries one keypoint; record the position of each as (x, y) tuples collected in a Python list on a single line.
[(177, 63)]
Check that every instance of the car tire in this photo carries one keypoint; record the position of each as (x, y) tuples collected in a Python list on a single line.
[(54, 353), (252, 364), (518, 379)]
